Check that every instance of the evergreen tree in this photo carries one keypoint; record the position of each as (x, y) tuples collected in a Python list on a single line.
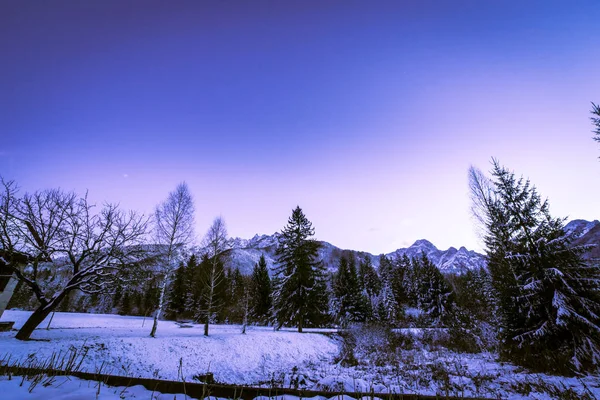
[(261, 299), (317, 314), (400, 274), (548, 297), (473, 293), (472, 317), (198, 274), (300, 295), (368, 279), (349, 303), (387, 306), (234, 312), (178, 294), (150, 297), (369, 285), (435, 296), (125, 307)]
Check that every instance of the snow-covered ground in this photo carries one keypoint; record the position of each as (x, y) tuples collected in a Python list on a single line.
[(70, 388), (121, 346)]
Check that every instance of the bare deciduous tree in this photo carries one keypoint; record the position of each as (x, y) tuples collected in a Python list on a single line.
[(174, 231), (596, 121), (482, 196), (59, 232), (215, 243)]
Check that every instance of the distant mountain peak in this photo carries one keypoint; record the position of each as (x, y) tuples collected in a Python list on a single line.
[(246, 252), (580, 227), (423, 243)]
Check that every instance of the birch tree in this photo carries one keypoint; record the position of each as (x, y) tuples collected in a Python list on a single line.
[(215, 244), (53, 231), (174, 231)]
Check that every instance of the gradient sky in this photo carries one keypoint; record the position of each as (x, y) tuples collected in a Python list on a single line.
[(367, 114)]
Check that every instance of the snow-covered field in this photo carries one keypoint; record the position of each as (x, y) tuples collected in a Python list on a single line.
[(70, 388), (122, 346)]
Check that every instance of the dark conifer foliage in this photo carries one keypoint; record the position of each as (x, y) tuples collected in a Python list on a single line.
[(300, 296), (261, 296), (234, 301), (387, 310), (350, 305), (400, 277), (548, 298), (369, 285), (178, 294), (434, 295)]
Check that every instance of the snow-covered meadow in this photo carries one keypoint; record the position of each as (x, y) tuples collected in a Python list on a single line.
[(121, 345)]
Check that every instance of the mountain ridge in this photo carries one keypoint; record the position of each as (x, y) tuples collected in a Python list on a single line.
[(244, 253)]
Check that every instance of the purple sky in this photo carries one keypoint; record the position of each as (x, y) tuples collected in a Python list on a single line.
[(367, 114)]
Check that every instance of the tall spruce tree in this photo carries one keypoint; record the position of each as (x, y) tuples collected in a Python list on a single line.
[(261, 298), (300, 293), (350, 305), (547, 296)]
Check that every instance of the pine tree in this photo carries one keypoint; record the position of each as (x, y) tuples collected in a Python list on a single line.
[(548, 297), (261, 299), (300, 295)]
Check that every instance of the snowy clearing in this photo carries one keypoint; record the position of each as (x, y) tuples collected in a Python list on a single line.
[(125, 348), (70, 388), (121, 345)]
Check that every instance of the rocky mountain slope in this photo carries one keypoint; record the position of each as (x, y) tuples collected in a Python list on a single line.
[(245, 253), (586, 233)]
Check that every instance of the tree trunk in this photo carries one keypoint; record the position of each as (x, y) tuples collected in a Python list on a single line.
[(38, 316), (161, 302), (207, 320), (210, 298), (300, 326), (245, 322)]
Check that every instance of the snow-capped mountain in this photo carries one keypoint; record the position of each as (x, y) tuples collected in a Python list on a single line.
[(586, 233), (451, 260), (245, 253), (579, 227)]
